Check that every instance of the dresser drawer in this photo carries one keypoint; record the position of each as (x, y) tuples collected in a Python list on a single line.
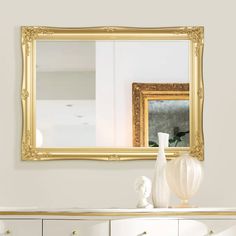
[(144, 227), (20, 227), (207, 227), (75, 228)]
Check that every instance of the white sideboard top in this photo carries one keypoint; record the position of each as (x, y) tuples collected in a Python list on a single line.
[(117, 212)]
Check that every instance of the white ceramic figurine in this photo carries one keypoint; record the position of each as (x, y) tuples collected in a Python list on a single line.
[(143, 186)]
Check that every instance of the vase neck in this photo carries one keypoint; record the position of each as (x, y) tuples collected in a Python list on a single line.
[(163, 140), (161, 157)]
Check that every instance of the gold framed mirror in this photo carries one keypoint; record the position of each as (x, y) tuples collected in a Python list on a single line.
[(91, 118)]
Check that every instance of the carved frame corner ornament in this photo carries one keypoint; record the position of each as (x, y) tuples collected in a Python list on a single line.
[(29, 37), (196, 35), (31, 33), (29, 152)]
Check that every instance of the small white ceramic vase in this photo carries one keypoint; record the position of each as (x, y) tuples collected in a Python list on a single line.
[(184, 176), (160, 188)]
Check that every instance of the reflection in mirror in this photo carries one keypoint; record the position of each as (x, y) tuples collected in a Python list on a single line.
[(169, 116), (84, 88), (161, 107), (65, 92)]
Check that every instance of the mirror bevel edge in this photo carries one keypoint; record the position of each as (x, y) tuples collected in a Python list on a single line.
[(32, 33)]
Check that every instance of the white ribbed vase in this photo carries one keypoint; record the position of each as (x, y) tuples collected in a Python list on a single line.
[(184, 176), (160, 188)]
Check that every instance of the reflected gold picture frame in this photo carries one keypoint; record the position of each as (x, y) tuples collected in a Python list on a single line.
[(29, 37), (145, 92)]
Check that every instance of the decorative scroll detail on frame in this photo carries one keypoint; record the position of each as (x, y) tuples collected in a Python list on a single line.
[(197, 149), (29, 152), (32, 33), (200, 93), (24, 94), (136, 94), (195, 34), (152, 87), (109, 29), (114, 157)]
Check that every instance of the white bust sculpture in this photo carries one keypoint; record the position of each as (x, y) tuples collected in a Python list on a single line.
[(143, 186)]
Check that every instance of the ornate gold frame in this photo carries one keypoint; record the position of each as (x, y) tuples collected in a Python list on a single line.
[(32, 33), (142, 93)]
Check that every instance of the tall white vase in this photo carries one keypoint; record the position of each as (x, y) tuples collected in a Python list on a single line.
[(160, 188)]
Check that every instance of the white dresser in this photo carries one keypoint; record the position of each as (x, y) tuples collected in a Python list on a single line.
[(118, 222)]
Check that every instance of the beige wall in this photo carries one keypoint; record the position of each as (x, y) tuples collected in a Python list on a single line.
[(104, 184)]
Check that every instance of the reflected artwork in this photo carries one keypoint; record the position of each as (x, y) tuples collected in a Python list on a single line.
[(168, 116)]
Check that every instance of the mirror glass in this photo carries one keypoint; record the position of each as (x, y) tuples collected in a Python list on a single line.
[(66, 93), (84, 91), (169, 116)]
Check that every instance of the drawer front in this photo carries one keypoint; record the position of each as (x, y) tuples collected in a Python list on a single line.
[(75, 228), (207, 227), (20, 227), (144, 227)]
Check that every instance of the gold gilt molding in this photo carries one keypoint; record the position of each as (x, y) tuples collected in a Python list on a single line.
[(24, 94), (217, 213), (110, 29), (141, 87), (114, 157), (202, 213), (31, 33), (198, 149), (200, 93), (29, 152), (136, 95), (196, 35)]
